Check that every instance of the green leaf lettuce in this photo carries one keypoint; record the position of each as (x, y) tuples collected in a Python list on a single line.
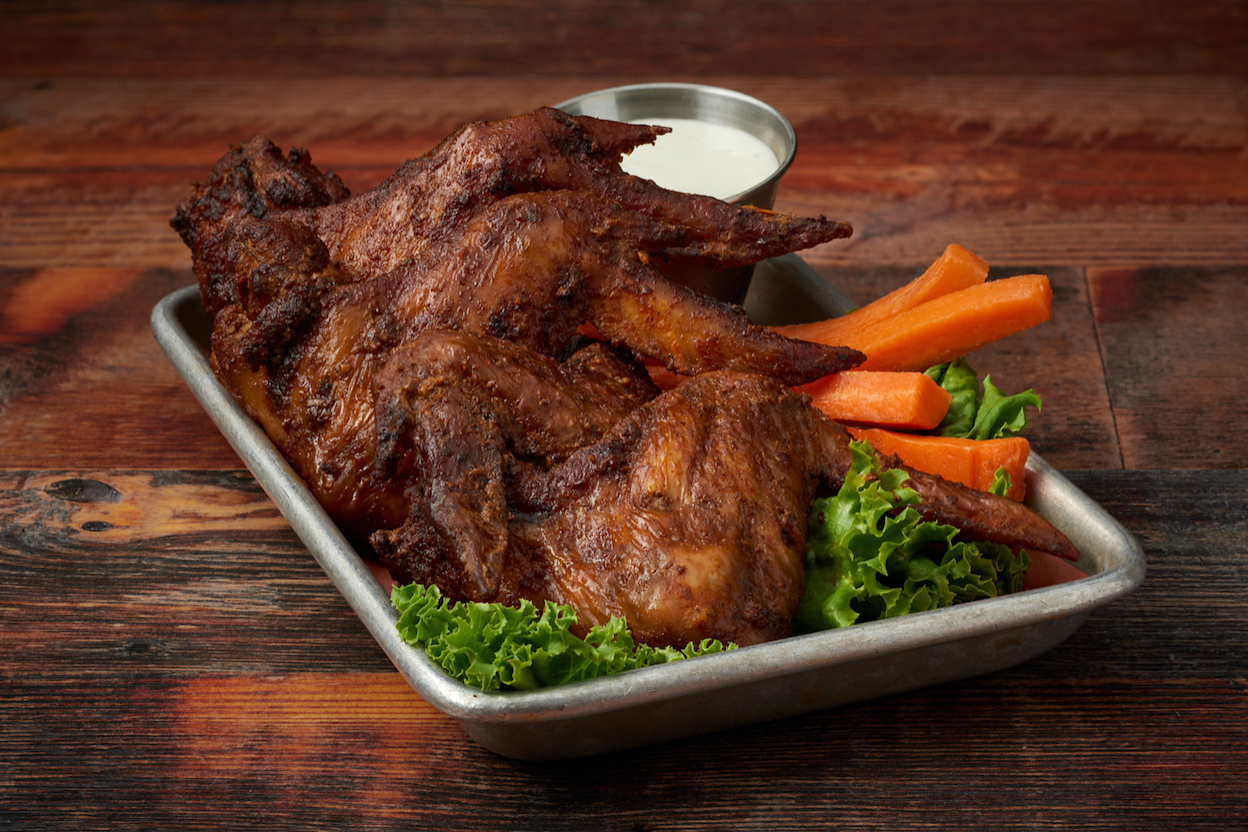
[(495, 647), (971, 416), (870, 555)]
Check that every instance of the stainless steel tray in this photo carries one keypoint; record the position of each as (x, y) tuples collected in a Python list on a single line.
[(753, 684)]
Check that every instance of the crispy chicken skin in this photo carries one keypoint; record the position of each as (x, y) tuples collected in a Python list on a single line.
[(688, 518), (684, 512), (430, 199), (458, 417), (414, 353), (300, 349)]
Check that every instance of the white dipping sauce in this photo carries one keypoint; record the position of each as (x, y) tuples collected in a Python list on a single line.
[(701, 158)]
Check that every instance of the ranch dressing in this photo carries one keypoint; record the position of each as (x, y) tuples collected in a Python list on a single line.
[(702, 158)]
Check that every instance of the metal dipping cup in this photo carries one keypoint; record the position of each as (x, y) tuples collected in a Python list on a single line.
[(713, 105)]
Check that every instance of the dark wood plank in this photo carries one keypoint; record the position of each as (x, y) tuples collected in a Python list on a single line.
[(97, 219), (1015, 167), (173, 658), (1139, 721), (1174, 352), (82, 379), (1189, 618), (1018, 170), (180, 571), (343, 121), (505, 38), (357, 751)]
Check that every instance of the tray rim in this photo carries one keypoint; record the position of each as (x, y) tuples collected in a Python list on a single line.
[(653, 685)]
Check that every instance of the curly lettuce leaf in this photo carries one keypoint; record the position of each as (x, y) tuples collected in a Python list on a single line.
[(496, 647), (870, 555), (1001, 415), (972, 415), (1001, 482)]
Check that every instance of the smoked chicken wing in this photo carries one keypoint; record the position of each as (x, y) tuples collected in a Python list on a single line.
[(687, 518), (430, 199)]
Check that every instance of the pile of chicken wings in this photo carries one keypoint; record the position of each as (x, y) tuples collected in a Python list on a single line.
[(417, 352)]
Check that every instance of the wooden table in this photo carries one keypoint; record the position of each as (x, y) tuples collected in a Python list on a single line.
[(171, 657)]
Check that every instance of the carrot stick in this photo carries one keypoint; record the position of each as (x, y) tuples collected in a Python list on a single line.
[(972, 462), (953, 325), (956, 269), (908, 401), (1047, 570)]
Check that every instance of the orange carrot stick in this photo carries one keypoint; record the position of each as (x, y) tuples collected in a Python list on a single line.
[(954, 270), (907, 401), (972, 462), (1047, 570), (953, 325)]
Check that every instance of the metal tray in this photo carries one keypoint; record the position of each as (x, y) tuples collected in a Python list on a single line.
[(753, 684)]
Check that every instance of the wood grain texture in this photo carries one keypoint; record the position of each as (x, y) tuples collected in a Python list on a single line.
[(118, 726), (1019, 170), (359, 752), (503, 38), (82, 377), (180, 571), (1175, 359), (172, 658)]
